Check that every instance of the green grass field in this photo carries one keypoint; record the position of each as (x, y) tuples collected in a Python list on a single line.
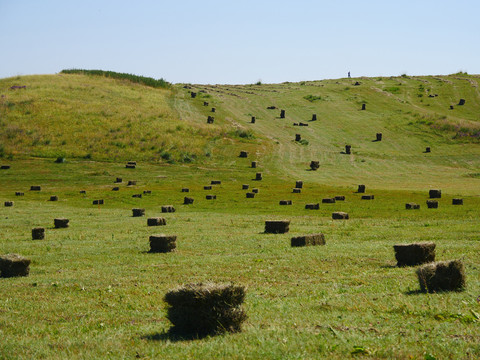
[(94, 291)]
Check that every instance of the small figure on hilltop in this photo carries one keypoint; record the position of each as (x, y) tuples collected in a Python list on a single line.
[(349, 74)]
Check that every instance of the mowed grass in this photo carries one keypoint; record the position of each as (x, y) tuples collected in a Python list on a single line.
[(95, 292)]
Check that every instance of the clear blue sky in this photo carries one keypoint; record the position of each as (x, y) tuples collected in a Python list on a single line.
[(240, 42)]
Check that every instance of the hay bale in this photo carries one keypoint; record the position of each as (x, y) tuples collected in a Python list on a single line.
[(162, 243), (207, 187), (60, 223), (147, 192), (5, 167), (59, 160), (8, 203), (295, 124), (340, 215), (213, 109), (277, 226), (314, 117), (282, 114), (432, 204), (193, 94), (132, 182), (250, 195), (210, 119), (18, 193), (139, 196), (461, 102), (254, 164), (187, 200), (348, 149), (245, 186), (83, 191), (255, 190), (12, 265), (215, 182), (118, 180), (339, 198), (206, 309), (205, 103), (308, 240), (271, 107), (156, 221), (314, 165), (38, 233), (298, 137), (368, 197), (185, 190), (361, 189), (137, 212), (457, 201), (299, 184), (451, 107), (328, 201), (211, 197), (379, 137), (364, 106), (116, 188), (168, 209), (35, 188), (53, 198), (253, 120), (243, 154), (296, 191), (435, 194), (442, 276), (427, 149), (258, 176), (412, 206), (98, 202), (414, 254), (285, 202), (312, 206)]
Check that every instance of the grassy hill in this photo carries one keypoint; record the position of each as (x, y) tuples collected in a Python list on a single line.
[(95, 292)]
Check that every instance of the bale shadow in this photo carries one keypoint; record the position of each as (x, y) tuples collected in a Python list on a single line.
[(389, 266), (414, 292), (172, 335), (376, 140)]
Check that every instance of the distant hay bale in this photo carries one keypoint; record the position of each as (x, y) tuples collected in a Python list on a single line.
[(35, 188), (271, 107), (215, 182), (185, 190), (339, 198), (18, 193), (379, 137), (298, 137), (296, 191), (255, 190), (162, 243), (414, 254), (277, 226), (210, 119), (211, 197), (432, 204), (116, 188), (308, 240), (314, 165), (348, 149), (435, 194), (187, 200), (282, 114), (12, 265), (60, 160), (168, 209), (53, 198), (457, 201), (451, 107), (299, 184), (285, 202), (340, 215), (118, 180), (412, 206), (132, 182), (207, 187), (243, 154), (461, 102), (314, 117), (205, 103), (138, 196), (250, 195), (312, 206), (364, 106), (368, 197), (442, 276), (137, 212), (361, 189), (60, 223), (328, 201), (38, 233), (258, 176), (295, 124), (8, 203), (147, 192), (254, 164), (156, 221), (245, 186), (253, 120), (5, 167), (83, 191), (213, 109), (98, 202), (193, 95), (206, 309), (427, 149)]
